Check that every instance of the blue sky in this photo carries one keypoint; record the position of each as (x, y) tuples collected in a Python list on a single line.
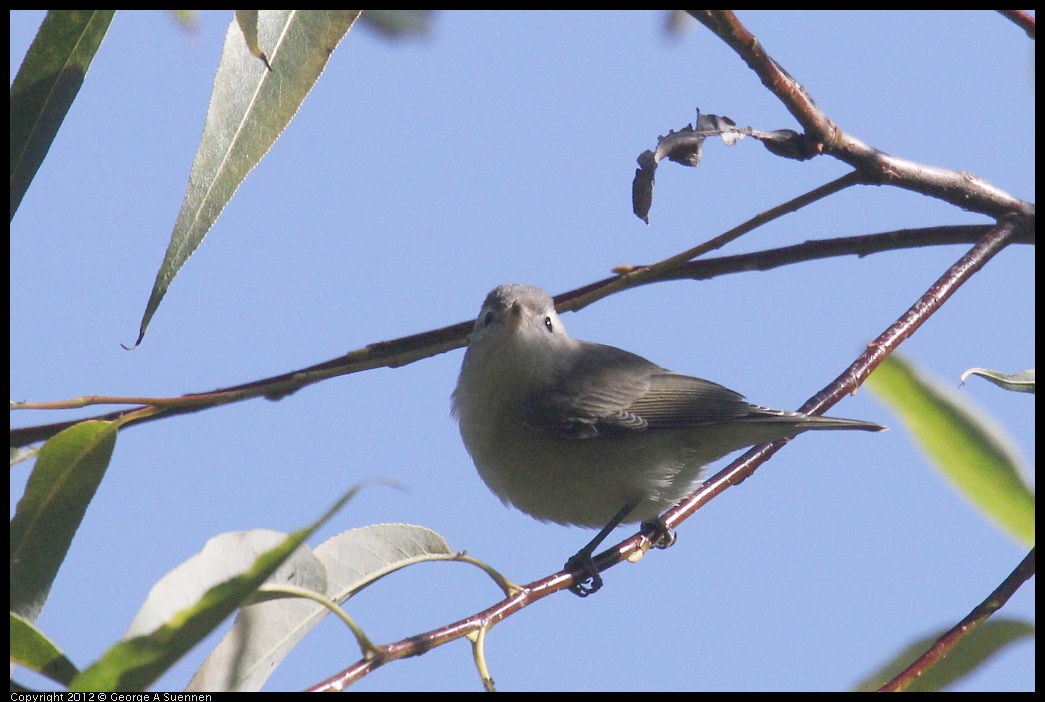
[(418, 175)]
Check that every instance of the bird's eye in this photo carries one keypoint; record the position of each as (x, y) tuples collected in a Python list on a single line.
[(487, 318), (548, 324)]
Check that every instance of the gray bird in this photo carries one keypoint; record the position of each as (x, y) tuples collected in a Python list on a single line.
[(575, 432)]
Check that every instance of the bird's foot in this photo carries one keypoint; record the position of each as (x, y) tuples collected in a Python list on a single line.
[(592, 581), (661, 535)]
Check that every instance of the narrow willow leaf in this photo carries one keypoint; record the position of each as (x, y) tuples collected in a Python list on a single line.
[(63, 482), (136, 662), (972, 453), (46, 85), (250, 107), (30, 648), (1017, 382), (264, 633)]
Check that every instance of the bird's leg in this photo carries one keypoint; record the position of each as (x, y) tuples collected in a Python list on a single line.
[(582, 559)]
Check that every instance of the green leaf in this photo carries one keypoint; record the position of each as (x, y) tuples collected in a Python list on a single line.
[(136, 662), (265, 632), (66, 476), (971, 653), (46, 85), (30, 648), (250, 107), (1017, 382), (973, 454)]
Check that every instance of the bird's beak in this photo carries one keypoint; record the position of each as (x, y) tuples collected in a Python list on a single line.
[(515, 316)]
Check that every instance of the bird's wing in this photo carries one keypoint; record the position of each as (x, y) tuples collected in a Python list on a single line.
[(676, 401), (609, 391)]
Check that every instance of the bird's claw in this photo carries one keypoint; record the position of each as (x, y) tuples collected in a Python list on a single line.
[(662, 535), (591, 582)]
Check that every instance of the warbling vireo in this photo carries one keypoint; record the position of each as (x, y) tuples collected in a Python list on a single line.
[(574, 432)]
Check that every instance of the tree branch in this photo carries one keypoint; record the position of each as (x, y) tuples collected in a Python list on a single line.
[(963, 190), (407, 349)]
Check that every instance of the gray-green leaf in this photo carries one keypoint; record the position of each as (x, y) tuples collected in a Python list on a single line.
[(250, 107)]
